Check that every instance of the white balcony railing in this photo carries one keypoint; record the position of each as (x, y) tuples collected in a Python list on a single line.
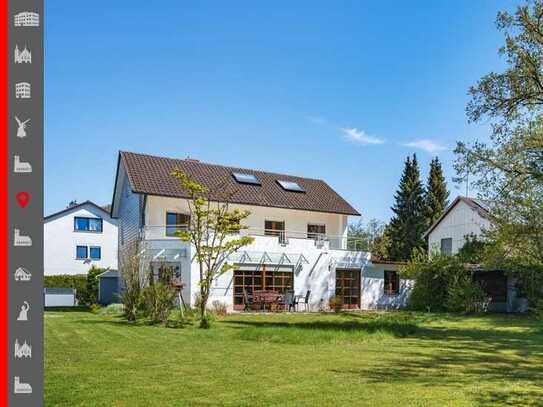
[(284, 237)]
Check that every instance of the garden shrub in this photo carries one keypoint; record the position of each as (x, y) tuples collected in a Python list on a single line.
[(95, 308), (112, 309), (442, 283), (336, 303), (158, 300), (219, 308), (131, 283), (92, 284)]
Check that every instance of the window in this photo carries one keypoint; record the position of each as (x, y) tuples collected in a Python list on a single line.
[(81, 252), (176, 222), (392, 282), (446, 246), (275, 228), (316, 231), (250, 280), (246, 178), (290, 186), (83, 224), (95, 252)]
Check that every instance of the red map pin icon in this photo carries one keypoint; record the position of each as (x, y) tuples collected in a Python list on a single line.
[(23, 198)]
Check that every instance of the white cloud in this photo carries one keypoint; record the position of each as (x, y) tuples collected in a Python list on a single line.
[(360, 136), (427, 145)]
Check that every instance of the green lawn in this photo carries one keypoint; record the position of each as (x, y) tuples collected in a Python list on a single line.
[(399, 359)]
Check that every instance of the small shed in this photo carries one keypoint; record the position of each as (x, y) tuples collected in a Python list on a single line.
[(109, 287)]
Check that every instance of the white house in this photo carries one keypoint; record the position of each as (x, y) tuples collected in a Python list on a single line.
[(462, 218), (471, 217), (299, 227), (79, 237)]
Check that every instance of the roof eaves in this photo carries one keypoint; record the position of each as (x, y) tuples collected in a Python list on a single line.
[(87, 202)]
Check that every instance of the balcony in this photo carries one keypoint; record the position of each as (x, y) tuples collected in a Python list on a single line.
[(265, 238)]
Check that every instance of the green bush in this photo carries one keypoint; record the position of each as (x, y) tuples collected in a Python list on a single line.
[(336, 303), (95, 308), (442, 283), (92, 284), (79, 282), (219, 308), (158, 300), (463, 294), (112, 309)]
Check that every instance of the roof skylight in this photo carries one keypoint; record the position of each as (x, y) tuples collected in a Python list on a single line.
[(246, 178), (290, 186)]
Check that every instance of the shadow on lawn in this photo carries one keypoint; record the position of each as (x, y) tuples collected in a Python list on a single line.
[(118, 321), (368, 326), (486, 360)]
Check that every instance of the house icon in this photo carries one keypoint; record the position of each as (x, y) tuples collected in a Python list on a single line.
[(22, 274)]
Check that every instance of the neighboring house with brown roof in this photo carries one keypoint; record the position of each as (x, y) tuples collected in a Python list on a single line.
[(463, 217), (299, 225)]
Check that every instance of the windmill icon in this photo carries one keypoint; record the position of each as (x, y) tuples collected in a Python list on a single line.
[(21, 129)]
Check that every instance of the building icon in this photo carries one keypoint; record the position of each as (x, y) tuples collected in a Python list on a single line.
[(22, 90), (26, 19), (24, 56), (22, 351), (22, 274)]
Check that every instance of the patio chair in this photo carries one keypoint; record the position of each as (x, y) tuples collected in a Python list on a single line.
[(305, 301), (247, 301), (290, 300)]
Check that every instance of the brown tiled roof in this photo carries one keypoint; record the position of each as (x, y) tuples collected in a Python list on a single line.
[(151, 175)]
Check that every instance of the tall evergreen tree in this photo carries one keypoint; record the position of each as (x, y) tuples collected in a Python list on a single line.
[(409, 220), (437, 195)]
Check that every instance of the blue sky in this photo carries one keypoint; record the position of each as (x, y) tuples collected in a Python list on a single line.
[(342, 91)]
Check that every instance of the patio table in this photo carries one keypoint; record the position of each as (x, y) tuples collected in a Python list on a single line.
[(267, 297)]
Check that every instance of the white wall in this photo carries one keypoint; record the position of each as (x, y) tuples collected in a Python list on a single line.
[(60, 300), (318, 275), (373, 288), (60, 241), (461, 221), (295, 220)]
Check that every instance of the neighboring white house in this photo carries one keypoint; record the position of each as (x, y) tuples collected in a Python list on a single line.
[(462, 218), (79, 237), (299, 227), (470, 217)]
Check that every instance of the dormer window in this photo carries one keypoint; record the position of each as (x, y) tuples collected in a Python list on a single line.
[(246, 178), (290, 186)]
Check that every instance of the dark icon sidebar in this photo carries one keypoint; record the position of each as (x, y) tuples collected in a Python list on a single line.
[(25, 202)]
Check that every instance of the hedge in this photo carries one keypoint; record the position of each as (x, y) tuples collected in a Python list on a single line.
[(79, 282)]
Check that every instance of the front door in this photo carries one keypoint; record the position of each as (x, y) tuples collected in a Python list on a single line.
[(348, 287)]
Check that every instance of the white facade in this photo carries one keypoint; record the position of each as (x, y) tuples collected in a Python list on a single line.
[(314, 263), (296, 221), (460, 221), (374, 295), (61, 241)]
